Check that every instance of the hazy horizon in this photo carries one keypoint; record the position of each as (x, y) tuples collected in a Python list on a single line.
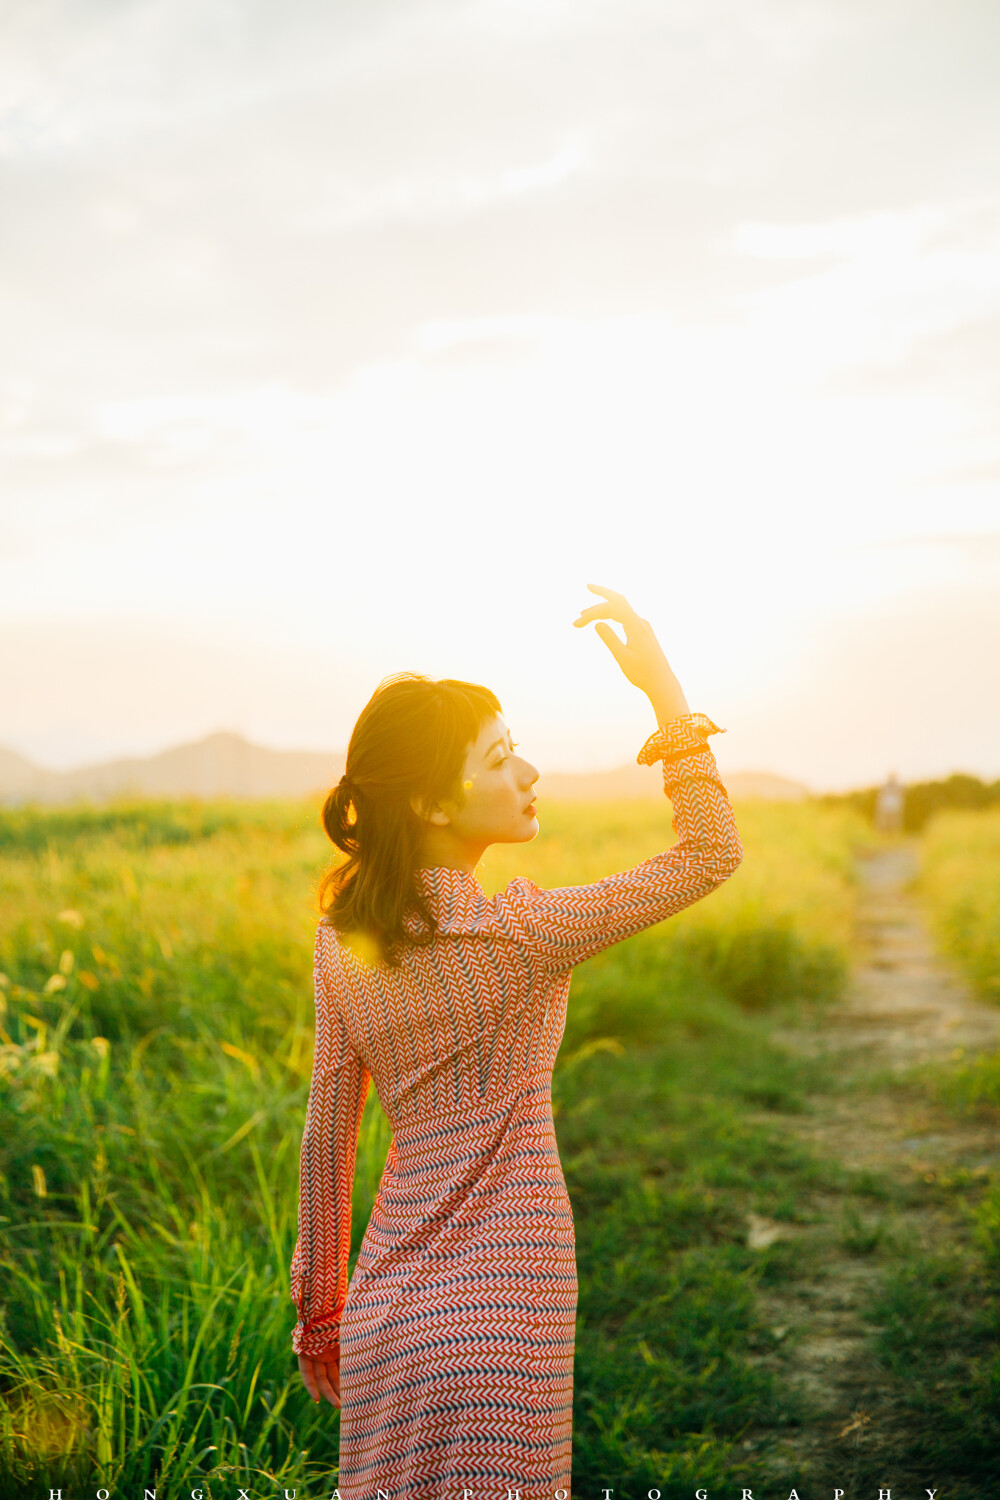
[(342, 342), (336, 752)]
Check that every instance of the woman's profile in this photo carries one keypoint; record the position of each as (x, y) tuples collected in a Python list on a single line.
[(450, 1354)]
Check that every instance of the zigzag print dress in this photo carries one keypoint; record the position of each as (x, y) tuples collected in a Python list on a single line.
[(457, 1330)]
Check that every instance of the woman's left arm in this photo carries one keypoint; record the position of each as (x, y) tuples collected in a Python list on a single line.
[(560, 927)]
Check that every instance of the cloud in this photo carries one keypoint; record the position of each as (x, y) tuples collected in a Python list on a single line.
[(959, 361), (291, 194)]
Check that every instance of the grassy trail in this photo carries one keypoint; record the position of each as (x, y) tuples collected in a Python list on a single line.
[(888, 1336)]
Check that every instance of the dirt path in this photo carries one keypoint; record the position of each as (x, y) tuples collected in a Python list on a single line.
[(902, 1007)]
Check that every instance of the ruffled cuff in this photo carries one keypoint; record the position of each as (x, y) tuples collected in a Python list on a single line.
[(685, 735)]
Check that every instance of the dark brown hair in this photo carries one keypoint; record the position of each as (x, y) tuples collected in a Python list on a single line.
[(410, 740)]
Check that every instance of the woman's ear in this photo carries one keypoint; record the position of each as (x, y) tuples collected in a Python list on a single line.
[(430, 812)]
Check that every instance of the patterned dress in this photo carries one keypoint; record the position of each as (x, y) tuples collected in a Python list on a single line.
[(457, 1330)]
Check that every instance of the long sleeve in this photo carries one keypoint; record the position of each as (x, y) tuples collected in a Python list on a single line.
[(337, 1095), (561, 927)]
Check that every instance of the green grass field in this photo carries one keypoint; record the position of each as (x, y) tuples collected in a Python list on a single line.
[(960, 886), (154, 1066), (960, 883)]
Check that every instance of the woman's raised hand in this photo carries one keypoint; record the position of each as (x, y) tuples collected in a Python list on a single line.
[(640, 655)]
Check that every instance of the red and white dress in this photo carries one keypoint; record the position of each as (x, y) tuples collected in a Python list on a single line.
[(457, 1330)]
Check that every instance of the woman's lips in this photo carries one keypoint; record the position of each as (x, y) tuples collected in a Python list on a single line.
[(530, 807)]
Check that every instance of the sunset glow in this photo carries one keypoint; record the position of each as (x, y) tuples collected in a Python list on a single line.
[(369, 344)]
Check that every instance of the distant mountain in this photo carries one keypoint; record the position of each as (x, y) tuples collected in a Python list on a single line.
[(221, 765), (20, 781), (226, 765)]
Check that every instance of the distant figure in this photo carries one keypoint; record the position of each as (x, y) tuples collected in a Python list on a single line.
[(889, 805)]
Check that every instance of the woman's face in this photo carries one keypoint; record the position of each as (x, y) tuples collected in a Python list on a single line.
[(498, 786)]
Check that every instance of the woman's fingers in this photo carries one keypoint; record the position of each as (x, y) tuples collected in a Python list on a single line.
[(321, 1378), (597, 588), (634, 626), (615, 607), (615, 610), (614, 643), (600, 612), (326, 1384), (308, 1378)]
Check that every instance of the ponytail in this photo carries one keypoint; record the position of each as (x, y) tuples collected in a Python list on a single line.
[(410, 741)]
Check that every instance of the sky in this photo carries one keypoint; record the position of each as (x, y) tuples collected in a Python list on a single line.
[(343, 340)]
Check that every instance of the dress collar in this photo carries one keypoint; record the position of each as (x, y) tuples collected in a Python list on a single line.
[(455, 897), (434, 875)]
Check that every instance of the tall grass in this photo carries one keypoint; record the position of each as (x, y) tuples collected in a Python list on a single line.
[(960, 887), (155, 1055), (960, 883)]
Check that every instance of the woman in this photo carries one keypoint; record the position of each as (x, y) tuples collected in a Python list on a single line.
[(451, 1355)]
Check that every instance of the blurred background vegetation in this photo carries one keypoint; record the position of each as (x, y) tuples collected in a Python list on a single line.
[(923, 799)]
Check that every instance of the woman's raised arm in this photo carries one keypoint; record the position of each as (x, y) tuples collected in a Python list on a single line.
[(561, 927)]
